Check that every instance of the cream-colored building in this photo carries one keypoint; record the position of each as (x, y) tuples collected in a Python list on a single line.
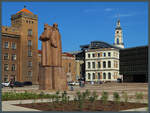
[(102, 59), (102, 64)]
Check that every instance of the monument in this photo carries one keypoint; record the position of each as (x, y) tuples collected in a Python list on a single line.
[(51, 72)]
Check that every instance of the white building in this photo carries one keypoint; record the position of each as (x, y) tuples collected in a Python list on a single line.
[(102, 59)]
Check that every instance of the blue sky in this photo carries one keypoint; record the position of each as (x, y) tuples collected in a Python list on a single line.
[(83, 22)]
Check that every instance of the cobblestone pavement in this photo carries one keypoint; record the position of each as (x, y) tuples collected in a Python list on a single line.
[(130, 88)]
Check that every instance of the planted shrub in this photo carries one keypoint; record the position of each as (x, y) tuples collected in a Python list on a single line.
[(125, 97), (139, 96), (116, 97), (57, 96), (104, 97), (80, 99)]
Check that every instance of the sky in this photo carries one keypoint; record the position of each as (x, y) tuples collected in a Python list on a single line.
[(80, 23)]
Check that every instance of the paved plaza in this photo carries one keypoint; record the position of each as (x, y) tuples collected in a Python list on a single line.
[(130, 88)]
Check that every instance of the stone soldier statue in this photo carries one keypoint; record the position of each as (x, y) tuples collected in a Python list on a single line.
[(51, 73)]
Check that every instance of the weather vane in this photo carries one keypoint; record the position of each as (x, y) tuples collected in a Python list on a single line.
[(25, 6)]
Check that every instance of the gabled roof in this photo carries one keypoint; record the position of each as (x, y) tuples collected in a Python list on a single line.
[(25, 10)]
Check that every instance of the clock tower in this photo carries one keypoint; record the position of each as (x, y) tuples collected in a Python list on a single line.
[(118, 42)]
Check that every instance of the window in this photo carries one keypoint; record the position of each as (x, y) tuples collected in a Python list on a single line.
[(109, 75), (13, 57), (117, 31), (29, 32), (93, 75), (29, 64), (13, 68), (98, 75), (93, 64), (30, 73), (117, 40), (89, 65), (13, 45), (6, 57), (5, 78), (5, 67), (99, 64), (29, 53), (104, 54), (116, 64), (29, 43), (104, 75), (109, 64), (93, 55), (104, 64), (6, 45), (89, 55), (69, 67), (109, 54), (89, 76), (98, 54)]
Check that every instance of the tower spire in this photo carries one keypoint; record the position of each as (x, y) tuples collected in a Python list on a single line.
[(25, 6), (118, 35)]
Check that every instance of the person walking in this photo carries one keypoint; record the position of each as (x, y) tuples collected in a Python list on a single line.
[(11, 83)]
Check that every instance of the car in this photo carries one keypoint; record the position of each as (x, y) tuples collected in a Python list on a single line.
[(27, 83), (18, 84), (6, 84), (76, 83), (71, 83)]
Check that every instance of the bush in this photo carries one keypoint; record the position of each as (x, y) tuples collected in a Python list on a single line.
[(104, 97), (139, 96), (125, 97), (116, 97)]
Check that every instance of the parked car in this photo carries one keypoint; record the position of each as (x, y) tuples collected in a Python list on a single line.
[(18, 84), (27, 83), (71, 83), (6, 84), (76, 83)]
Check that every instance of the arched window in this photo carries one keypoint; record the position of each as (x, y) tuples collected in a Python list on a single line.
[(98, 75), (109, 75), (93, 75), (104, 64), (99, 64), (117, 40), (104, 75), (93, 64), (89, 65), (89, 76), (109, 64)]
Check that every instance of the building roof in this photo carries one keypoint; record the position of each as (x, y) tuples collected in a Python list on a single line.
[(25, 10), (98, 45), (67, 54)]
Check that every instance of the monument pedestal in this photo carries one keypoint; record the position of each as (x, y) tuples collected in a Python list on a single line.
[(52, 78)]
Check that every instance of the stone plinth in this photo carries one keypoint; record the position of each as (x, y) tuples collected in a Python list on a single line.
[(52, 78)]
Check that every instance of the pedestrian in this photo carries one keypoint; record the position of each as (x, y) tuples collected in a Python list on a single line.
[(11, 83)]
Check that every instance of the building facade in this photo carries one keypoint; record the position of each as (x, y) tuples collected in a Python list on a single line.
[(19, 48), (134, 64), (68, 63), (101, 62)]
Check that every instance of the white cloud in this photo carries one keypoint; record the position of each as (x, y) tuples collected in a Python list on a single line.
[(89, 10), (108, 9), (123, 15)]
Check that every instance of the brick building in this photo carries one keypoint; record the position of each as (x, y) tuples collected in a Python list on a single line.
[(68, 63), (19, 47)]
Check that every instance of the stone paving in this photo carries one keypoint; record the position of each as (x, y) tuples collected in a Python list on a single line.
[(130, 88)]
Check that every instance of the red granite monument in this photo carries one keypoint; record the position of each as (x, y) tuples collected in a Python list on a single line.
[(51, 72)]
